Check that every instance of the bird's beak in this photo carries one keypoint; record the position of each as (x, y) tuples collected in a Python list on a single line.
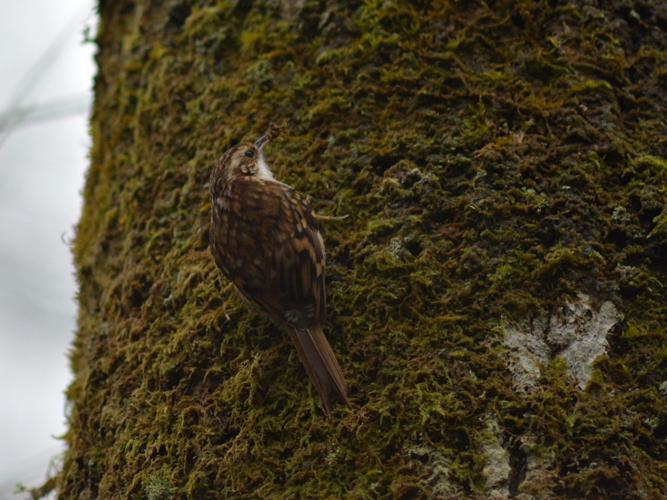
[(259, 143)]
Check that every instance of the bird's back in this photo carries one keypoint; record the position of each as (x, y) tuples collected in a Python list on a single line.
[(264, 238)]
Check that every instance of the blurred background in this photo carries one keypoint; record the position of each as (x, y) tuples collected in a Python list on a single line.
[(46, 72)]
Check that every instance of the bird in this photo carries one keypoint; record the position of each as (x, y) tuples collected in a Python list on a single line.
[(265, 239)]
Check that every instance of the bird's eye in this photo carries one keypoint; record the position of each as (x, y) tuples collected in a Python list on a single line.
[(250, 153)]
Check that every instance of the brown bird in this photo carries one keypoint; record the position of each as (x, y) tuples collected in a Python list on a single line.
[(265, 239)]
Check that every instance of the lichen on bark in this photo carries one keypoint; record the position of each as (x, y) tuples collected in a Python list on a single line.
[(496, 160)]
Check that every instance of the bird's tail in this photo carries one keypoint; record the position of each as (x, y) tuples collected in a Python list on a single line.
[(320, 362)]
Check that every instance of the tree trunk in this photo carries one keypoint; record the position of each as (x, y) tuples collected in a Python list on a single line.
[(496, 296)]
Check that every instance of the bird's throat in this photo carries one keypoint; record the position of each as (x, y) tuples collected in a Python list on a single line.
[(263, 172)]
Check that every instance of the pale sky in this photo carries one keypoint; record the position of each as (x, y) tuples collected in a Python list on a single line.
[(42, 166)]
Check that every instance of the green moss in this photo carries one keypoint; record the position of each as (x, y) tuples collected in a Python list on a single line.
[(493, 159), (158, 488)]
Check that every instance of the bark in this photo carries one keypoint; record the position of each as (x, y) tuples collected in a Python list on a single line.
[(496, 295)]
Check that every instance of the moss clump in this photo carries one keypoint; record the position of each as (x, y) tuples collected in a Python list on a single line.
[(495, 159)]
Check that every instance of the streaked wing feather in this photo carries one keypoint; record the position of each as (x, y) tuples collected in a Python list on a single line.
[(278, 254)]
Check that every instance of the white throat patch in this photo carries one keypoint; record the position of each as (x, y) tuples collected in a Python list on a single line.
[(264, 172)]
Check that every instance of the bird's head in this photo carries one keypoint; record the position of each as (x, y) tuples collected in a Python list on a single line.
[(242, 160), (246, 159)]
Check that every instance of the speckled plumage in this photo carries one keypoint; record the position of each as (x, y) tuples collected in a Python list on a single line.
[(264, 238)]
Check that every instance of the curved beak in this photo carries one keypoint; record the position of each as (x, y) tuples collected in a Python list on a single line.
[(259, 143)]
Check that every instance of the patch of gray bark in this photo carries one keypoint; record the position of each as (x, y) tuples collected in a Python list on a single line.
[(577, 332)]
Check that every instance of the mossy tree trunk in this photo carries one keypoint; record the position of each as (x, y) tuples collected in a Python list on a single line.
[(496, 297)]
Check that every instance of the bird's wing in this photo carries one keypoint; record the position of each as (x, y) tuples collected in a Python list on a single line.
[(273, 251)]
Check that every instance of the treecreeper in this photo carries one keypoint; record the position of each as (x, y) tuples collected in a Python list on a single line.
[(265, 239)]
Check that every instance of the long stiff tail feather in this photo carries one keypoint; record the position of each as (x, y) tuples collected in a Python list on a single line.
[(321, 365)]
